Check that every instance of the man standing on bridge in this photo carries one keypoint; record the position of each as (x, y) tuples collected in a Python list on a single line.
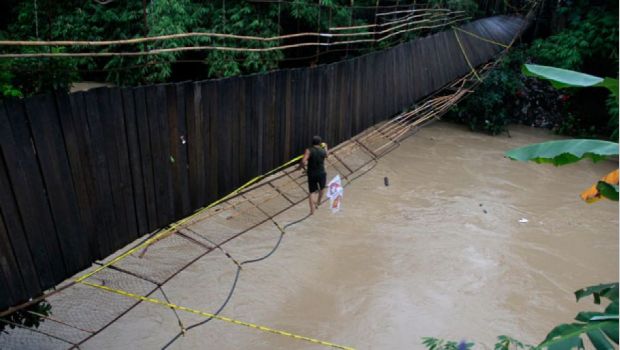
[(314, 164)]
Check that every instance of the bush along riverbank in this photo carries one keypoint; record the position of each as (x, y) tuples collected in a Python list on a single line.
[(587, 42)]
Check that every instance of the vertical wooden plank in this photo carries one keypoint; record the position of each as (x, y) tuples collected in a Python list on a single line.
[(278, 113), (310, 104), (293, 124), (173, 141), (360, 100), (242, 150), (377, 93), (166, 194), (155, 138), (414, 52), (58, 181), (135, 162), (314, 101), (250, 129), (122, 149), (354, 108), (156, 111), (27, 184), (233, 107), (334, 137), (370, 94), (269, 119), (394, 82), (448, 61), (210, 103), (146, 154), (306, 108), (442, 62), (15, 235), (425, 77), (10, 283), (301, 111), (75, 130), (335, 111), (103, 202), (195, 142), (320, 102), (288, 117), (116, 185), (385, 89), (407, 59), (343, 111), (223, 134), (178, 148), (12, 289), (285, 154), (328, 100), (259, 100), (84, 110), (351, 107)]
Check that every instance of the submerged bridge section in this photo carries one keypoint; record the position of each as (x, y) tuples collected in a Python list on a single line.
[(82, 175)]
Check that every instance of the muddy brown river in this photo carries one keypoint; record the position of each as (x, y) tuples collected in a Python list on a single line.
[(439, 252)]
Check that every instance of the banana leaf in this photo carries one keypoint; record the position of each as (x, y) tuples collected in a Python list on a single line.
[(564, 151), (564, 78)]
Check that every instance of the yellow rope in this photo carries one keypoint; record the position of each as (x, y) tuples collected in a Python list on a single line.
[(473, 70), (482, 38), (218, 317)]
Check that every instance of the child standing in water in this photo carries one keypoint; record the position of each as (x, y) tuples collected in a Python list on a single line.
[(314, 164)]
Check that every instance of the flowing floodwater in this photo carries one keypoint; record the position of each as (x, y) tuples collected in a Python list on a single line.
[(439, 252)]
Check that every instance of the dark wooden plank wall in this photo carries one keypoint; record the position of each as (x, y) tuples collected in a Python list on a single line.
[(82, 175)]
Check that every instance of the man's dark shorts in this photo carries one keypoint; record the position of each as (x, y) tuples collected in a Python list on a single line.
[(316, 182)]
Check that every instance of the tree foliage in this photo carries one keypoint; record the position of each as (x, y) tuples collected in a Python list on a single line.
[(586, 40), (601, 328), (489, 109), (591, 33), (30, 316), (115, 20)]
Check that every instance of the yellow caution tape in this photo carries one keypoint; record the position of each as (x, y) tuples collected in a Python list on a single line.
[(482, 38), (174, 226), (221, 318), (473, 70)]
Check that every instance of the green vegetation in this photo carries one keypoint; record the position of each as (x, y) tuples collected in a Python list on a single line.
[(79, 20), (600, 327), (28, 317), (441, 344), (115, 20), (490, 108), (586, 40)]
